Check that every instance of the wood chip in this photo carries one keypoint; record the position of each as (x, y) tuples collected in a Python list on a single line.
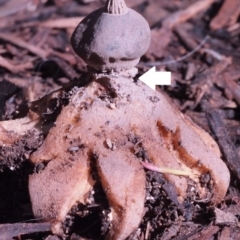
[(233, 209), (14, 68), (7, 89), (191, 69), (170, 232), (12, 7), (186, 38), (62, 22), (225, 143), (227, 15), (206, 233), (224, 218), (8, 231), (21, 43), (162, 37), (225, 234), (66, 68), (186, 14), (233, 88)]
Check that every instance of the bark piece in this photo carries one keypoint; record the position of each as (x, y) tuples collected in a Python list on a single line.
[(233, 209), (206, 233), (222, 218), (225, 143), (12, 7), (188, 41), (21, 43), (40, 52), (227, 15), (190, 229), (162, 37), (12, 130), (233, 89), (225, 234), (13, 67)]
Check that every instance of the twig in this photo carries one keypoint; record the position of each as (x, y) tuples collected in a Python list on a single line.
[(147, 230), (8, 231), (14, 68), (200, 232), (19, 42), (214, 54), (185, 37)]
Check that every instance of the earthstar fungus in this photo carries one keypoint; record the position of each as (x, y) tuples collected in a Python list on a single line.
[(112, 38), (112, 119)]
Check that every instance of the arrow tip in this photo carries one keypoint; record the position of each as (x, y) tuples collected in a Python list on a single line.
[(148, 75), (152, 78)]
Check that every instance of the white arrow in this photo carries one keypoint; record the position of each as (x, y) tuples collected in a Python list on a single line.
[(153, 78)]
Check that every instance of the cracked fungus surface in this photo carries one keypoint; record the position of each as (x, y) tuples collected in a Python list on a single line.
[(111, 119)]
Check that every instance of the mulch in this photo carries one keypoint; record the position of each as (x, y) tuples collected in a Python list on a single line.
[(198, 41)]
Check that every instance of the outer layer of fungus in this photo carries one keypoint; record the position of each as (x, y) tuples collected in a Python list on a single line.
[(169, 139), (107, 119)]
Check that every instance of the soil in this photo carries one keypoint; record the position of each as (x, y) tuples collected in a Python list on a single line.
[(36, 61)]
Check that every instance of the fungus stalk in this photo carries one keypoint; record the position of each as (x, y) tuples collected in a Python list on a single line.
[(117, 7)]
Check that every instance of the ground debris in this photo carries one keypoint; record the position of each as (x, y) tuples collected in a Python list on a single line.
[(171, 21), (224, 218), (206, 233), (225, 233), (23, 44), (227, 16), (171, 231), (8, 231), (225, 143), (14, 155)]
